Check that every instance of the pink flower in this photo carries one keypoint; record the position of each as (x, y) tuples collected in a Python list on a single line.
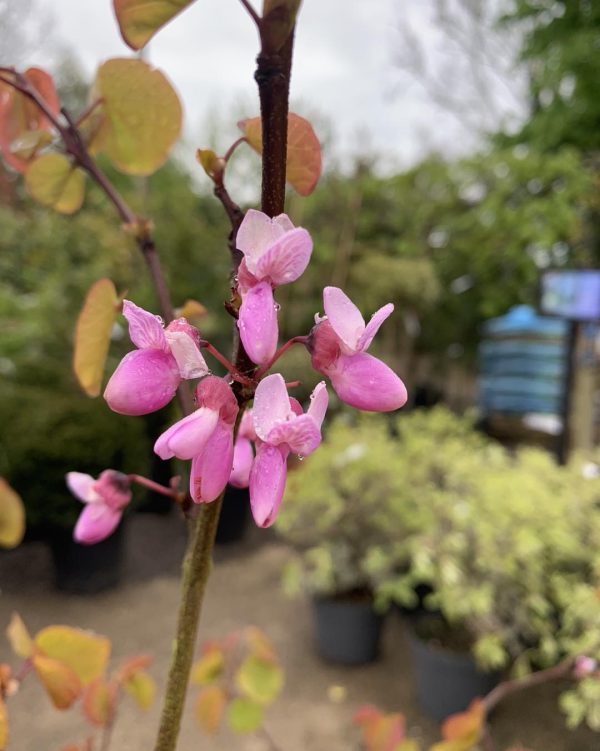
[(205, 437), (584, 667), (105, 499), (147, 378), (281, 428), (338, 344), (275, 253), (243, 456)]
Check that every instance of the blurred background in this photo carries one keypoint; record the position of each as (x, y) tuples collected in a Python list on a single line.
[(461, 148)]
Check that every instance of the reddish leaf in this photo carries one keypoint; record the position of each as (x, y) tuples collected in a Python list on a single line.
[(465, 725), (381, 732), (19, 116), (303, 151), (59, 680), (139, 20), (133, 665), (209, 667), (92, 335), (99, 701), (209, 708), (12, 516)]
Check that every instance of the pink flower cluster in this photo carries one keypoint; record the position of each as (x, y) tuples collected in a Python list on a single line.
[(274, 253)]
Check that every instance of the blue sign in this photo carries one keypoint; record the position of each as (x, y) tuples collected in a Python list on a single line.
[(571, 294)]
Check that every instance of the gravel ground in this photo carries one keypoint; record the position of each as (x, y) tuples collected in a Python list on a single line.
[(139, 617)]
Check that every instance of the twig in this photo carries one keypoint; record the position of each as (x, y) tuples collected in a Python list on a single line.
[(155, 486), (252, 13), (282, 350)]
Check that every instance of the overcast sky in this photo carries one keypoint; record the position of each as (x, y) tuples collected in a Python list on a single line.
[(343, 70)]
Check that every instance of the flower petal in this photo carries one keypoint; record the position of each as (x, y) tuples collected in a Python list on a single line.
[(267, 483), (257, 323), (344, 317), (145, 380), (96, 522), (271, 405), (211, 469), (81, 485), (188, 357), (373, 326), (246, 429), (286, 259), (301, 434), (319, 401), (145, 329), (188, 437), (243, 456), (364, 382), (256, 232)]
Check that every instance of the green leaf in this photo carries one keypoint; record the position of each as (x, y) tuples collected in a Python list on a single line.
[(142, 115), (209, 668), (212, 164), (85, 653), (142, 688), (209, 708), (53, 181), (139, 20), (244, 716), (12, 516), (92, 335), (259, 679), (303, 167)]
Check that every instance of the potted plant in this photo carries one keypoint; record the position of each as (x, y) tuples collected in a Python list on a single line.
[(336, 515), (44, 436), (504, 542)]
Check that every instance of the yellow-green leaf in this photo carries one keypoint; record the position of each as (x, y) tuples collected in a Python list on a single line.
[(139, 20), (192, 310), (59, 680), (209, 708), (141, 687), (142, 115), (12, 516), (209, 668), (260, 680), (82, 651), (18, 637), (99, 702), (53, 181), (212, 164), (3, 725), (92, 335), (244, 716), (303, 151)]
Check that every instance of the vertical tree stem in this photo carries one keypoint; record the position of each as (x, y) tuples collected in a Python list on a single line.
[(273, 78)]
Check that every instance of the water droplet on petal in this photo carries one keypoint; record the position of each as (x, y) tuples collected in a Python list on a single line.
[(277, 306), (300, 458)]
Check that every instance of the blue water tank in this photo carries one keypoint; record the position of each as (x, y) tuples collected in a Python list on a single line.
[(523, 361)]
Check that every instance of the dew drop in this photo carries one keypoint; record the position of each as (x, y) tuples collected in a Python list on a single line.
[(300, 458), (277, 306)]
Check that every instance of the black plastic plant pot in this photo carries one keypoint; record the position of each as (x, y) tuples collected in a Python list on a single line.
[(235, 514), (447, 682), (348, 630), (87, 569)]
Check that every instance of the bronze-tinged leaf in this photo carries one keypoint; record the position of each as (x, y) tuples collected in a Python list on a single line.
[(18, 637), (212, 164), (192, 310), (92, 335), (3, 725), (279, 17), (83, 652), (99, 700), (59, 680), (210, 705), (139, 20), (142, 116), (53, 181), (20, 116), (208, 668), (12, 516), (303, 151), (133, 665), (466, 725)]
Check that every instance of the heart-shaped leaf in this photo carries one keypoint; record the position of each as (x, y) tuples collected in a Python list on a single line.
[(142, 115), (209, 667), (209, 708), (260, 680), (139, 20), (12, 516), (303, 151), (244, 716), (99, 702), (85, 653), (53, 181), (92, 335), (141, 687)]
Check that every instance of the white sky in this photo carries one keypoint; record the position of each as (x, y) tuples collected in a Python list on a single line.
[(343, 69)]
